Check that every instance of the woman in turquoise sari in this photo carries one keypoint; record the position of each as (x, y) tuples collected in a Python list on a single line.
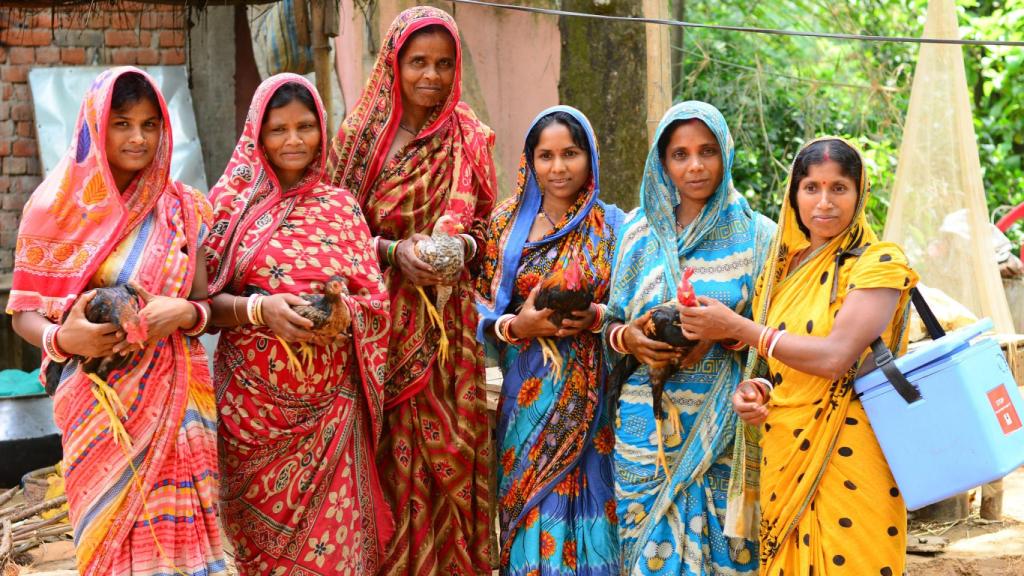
[(690, 216), (556, 506)]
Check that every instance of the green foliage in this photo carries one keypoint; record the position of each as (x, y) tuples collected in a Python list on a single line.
[(778, 92)]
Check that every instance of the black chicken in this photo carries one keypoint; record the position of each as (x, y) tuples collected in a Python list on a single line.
[(565, 291), (663, 325)]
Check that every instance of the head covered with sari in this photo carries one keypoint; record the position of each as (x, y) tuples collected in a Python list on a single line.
[(817, 428), (249, 186), (451, 150), (77, 215), (657, 216), (725, 246), (514, 217)]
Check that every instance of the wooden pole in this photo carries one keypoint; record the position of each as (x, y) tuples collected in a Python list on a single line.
[(992, 500), (659, 65), (321, 55)]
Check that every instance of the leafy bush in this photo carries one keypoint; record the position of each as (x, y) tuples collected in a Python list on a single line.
[(778, 92)]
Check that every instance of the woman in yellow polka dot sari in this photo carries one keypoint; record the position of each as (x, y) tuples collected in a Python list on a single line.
[(828, 502)]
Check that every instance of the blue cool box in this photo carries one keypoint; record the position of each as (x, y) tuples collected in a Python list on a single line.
[(964, 432)]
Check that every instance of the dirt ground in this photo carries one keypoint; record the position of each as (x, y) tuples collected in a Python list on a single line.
[(975, 548)]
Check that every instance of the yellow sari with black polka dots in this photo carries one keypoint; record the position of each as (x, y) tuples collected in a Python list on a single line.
[(829, 504)]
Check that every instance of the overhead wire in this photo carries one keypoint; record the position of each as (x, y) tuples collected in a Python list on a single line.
[(745, 29)]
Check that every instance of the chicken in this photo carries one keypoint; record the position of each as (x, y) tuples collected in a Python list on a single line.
[(445, 253), (664, 325), (565, 291), (118, 305), (330, 317)]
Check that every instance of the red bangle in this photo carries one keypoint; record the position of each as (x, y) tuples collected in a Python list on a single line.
[(202, 319), (739, 345)]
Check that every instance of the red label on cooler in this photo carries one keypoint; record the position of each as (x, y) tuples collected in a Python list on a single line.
[(1007, 415)]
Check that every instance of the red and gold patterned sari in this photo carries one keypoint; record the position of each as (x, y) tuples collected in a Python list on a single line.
[(301, 493), (435, 452)]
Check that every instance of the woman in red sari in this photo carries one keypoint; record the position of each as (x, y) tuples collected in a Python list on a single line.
[(140, 464), (300, 492), (412, 152)]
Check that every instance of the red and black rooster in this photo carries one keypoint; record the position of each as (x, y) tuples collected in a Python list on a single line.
[(664, 325), (565, 291), (118, 305)]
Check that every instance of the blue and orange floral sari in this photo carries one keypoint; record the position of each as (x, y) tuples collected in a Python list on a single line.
[(556, 505)]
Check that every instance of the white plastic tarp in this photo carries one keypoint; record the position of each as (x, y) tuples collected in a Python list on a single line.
[(57, 97)]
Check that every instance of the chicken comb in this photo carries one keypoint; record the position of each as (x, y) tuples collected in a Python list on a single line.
[(449, 225), (685, 293), (573, 274)]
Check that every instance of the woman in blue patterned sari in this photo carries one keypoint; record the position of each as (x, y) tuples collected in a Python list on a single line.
[(690, 216), (556, 504)]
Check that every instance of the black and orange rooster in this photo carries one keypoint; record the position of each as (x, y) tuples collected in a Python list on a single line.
[(564, 291), (664, 325), (120, 306)]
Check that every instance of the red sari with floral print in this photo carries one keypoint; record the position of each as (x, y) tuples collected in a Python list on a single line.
[(436, 447), (300, 490)]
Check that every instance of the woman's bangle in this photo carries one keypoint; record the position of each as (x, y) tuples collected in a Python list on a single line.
[(765, 340), (736, 346), (775, 340), (50, 344), (234, 309), (616, 340), (470, 246), (599, 315), (254, 309), (202, 319), (764, 386), (503, 329)]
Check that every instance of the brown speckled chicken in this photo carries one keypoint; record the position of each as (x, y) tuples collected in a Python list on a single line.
[(330, 317), (445, 253), (565, 291)]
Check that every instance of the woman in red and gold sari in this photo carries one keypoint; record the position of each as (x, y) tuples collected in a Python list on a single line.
[(413, 152), (140, 464), (297, 438)]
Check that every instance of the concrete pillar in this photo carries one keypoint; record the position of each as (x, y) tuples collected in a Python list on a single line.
[(211, 54)]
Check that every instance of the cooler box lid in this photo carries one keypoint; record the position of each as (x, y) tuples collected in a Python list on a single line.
[(925, 354)]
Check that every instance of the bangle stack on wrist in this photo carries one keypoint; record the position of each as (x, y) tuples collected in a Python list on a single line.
[(202, 318), (617, 340), (767, 341), (389, 254), (600, 313), (254, 309), (501, 329), (50, 344)]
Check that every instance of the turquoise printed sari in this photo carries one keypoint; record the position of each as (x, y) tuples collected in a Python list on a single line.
[(673, 524)]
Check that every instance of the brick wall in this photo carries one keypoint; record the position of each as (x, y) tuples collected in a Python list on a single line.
[(109, 36)]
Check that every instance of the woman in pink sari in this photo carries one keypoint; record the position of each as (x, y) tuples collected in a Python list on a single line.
[(297, 440), (139, 450), (412, 151)]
